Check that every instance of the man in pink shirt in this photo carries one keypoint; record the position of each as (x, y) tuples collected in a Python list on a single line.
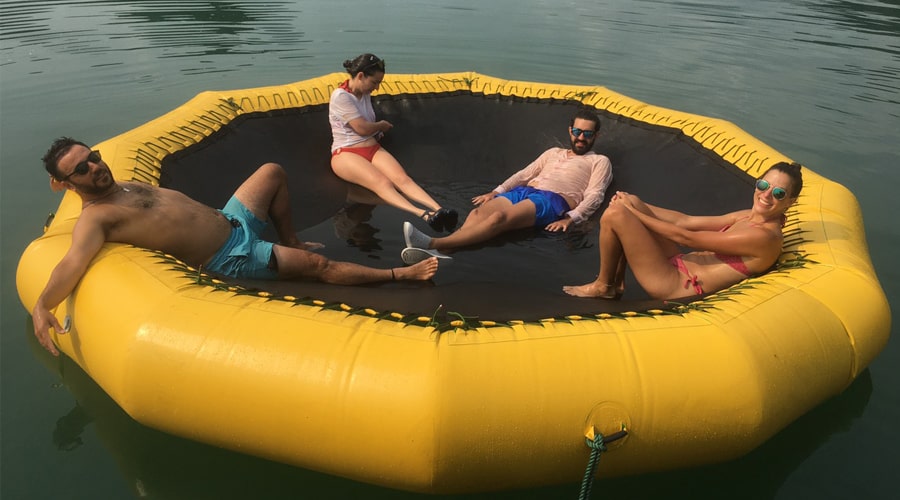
[(560, 188)]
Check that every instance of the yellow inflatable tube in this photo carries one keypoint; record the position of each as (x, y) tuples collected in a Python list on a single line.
[(389, 399)]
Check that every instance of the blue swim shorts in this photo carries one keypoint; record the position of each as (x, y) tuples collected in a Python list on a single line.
[(245, 254), (549, 206)]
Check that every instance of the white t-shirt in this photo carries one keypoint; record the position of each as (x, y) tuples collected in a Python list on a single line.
[(343, 107)]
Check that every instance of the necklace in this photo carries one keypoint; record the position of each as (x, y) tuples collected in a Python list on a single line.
[(107, 195)]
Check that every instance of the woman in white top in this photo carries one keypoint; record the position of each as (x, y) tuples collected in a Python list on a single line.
[(356, 155)]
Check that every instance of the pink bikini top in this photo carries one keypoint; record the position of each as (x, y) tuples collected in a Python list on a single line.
[(735, 261)]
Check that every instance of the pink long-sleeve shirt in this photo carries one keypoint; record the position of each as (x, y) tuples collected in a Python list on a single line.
[(581, 180)]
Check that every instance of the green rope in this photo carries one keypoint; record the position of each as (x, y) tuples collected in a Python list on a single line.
[(597, 447)]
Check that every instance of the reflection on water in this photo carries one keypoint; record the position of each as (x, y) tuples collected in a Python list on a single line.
[(351, 224), (721, 31), (877, 18), (879, 84), (69, 428)]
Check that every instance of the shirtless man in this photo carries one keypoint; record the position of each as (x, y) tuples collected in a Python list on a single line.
[(560, 188), (226, 241)]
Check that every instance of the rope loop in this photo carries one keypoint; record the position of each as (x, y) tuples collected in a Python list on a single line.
[(597, 447), (597, 443)]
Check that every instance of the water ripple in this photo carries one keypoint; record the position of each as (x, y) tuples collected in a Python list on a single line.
[(170, 29)]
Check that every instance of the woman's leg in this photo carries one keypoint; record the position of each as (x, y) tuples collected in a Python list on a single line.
[(612, 265), (355, 169), (620, 276), (391, 168), (624, 237), (359, 194)]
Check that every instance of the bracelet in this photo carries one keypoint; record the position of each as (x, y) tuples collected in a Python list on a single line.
[(393, 278)]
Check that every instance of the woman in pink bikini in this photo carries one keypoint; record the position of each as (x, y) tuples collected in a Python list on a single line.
[(357, 157), (730, 247)]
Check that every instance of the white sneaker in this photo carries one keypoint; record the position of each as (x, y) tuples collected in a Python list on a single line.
[(415, 238), (412, 255)]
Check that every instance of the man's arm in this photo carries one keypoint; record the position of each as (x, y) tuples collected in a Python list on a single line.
[(522, 177), (484, 198), (87, 239), (560, 225), (594, 192), (517, 179)]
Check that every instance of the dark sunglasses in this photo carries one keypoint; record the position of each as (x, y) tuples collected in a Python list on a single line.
[(777, 192), (83, 167), (374, 62), (587, 133)]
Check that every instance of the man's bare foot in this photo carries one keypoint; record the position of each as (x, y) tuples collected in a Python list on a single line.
[(593, 290), (423, 270)]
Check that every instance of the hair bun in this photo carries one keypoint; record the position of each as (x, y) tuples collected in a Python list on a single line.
[(347, 64)]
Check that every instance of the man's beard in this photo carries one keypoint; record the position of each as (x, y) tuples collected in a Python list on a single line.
[(581, 147), (100, 184)]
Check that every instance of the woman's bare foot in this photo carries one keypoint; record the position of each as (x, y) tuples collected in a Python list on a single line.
[(423, 270), (594, 290), (309, 246)]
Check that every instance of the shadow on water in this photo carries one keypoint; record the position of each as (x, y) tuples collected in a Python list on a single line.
[(158, 465)]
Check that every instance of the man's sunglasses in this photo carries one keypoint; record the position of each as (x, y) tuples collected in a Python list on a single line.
[(587, 133), (83, 167), (777, 192)]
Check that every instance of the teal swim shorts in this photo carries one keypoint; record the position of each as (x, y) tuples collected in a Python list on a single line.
[(245, 254)]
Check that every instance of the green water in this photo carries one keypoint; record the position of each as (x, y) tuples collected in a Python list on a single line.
[(819, 81)]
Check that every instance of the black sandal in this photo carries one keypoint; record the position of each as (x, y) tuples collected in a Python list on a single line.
[(442, 219), (451, 218), (432, 219)]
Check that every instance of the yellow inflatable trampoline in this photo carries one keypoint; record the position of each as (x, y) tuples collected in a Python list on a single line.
[(490, 377)]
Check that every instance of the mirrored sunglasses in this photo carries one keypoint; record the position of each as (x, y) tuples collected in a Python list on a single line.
[(587, 133), (777, 192)]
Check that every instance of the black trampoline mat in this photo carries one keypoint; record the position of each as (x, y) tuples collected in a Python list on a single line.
[(457, 146)]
